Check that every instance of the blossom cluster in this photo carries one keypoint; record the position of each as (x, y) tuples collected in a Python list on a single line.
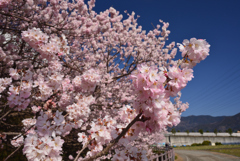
[(132, 153), (79, 112), (43, 148), (47, 123), (101, 133), (4, 3), (19, 95), (178, 79), (17, 141), (195, 49), (43, 142), (88, 81), (154, 87), (104, 130), (28, 123), (2, 53), (4, 82), (47, 48), (126, 115)]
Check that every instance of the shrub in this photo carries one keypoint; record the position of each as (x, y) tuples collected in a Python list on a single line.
[(206, 142), (196, 144), (218, 143)]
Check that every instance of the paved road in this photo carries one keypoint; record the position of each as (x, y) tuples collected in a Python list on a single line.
[(197, 155)]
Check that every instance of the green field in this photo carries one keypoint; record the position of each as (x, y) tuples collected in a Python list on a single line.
[(227, 149)]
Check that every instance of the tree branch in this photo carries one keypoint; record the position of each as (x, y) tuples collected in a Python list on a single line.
[(113, 142)]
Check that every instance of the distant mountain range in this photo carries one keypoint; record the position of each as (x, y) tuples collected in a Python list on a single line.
[(209, 123)]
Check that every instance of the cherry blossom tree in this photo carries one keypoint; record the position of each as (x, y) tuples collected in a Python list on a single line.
[(81, 85)]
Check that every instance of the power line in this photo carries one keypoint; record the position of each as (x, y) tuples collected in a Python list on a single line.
[(220, 108), (223, 90), (217, 80), (216, 87), (224, 104)]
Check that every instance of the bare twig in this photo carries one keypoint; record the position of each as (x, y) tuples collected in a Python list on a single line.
[(13, 152), (181, 61), (5, 114), (153, 25), (82, 150), (23, 133), (123, 75), (15, 16), (21, 81), (10, 133)]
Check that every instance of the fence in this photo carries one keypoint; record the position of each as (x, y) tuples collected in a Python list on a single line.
[(167, 155)]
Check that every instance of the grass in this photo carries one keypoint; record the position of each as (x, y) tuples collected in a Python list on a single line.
[(227, 149), (207, 147), (235, 152), (176, 157)]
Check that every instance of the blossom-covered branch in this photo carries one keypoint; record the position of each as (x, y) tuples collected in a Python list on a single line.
[(79, 84)]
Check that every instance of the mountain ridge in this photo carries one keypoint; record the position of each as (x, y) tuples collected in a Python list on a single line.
[(208, 123)]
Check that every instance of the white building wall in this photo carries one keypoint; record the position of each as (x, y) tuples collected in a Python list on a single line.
[(182, 138)]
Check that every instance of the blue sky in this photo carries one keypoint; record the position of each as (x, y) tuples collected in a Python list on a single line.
[(215, 90)]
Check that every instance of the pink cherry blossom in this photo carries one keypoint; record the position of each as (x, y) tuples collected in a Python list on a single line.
[(14, 74)]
